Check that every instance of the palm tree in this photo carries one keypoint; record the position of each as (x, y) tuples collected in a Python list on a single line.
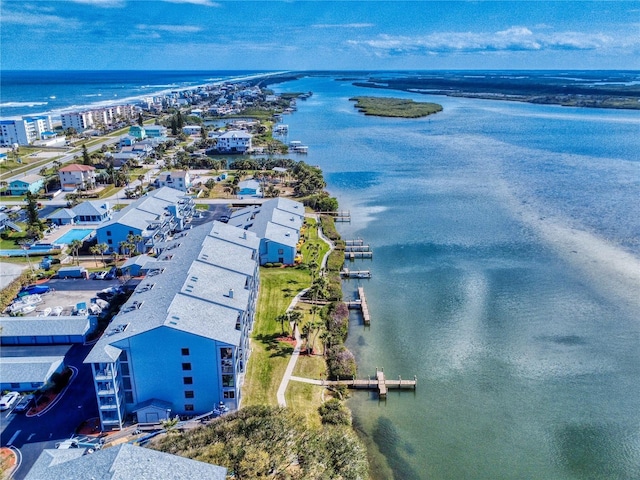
[(102, 248), (75, 246), (95, 250), (134, 241)]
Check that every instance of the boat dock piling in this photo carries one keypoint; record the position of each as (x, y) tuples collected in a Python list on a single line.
[(361, 304), (379, 383)]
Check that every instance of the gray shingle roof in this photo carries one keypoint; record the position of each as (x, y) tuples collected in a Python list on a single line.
[(123, 462), (29, 369), (190, 291), (43, 326)]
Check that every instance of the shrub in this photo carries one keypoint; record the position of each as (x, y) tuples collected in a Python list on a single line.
[(341, 362), (333, 412)]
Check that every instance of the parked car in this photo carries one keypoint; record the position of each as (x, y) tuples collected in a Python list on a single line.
[(25, 403), (101, 275), (8, 400)]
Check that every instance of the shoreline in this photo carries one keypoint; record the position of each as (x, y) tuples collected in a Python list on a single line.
[(55, 113)]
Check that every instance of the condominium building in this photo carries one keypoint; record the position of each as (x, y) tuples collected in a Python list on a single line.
[(180, 344), (24, 131), (153, 217)]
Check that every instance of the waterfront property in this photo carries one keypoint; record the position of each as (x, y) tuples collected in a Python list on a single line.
[(153, 217), (196, 305), (234, 141), (277, 222)]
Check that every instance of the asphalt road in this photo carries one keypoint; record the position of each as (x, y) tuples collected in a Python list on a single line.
[(31, 435)]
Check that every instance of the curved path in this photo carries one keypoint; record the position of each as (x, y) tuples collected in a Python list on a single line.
[(287, 377)]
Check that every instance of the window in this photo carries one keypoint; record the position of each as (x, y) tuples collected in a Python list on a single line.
[(124, 368), (188, 394), (229, 394), (126, 383), (280, 251), (186, 366), (187, 380), (108, 233), (109, 241), (228, 381), (188, 407), (185, 351), (226, 353)]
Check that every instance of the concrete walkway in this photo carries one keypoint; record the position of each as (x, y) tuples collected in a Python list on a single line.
[(287, 377)]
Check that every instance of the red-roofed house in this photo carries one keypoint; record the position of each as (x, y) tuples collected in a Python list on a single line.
[(77, 176)]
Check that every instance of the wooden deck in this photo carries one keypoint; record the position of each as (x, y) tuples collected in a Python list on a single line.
[(354, 255), (379, 383), (361, 304), (346, 273)]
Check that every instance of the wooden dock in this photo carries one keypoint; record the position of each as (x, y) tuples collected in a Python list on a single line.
[(357, 248), (346, 273), (354, 255), (353, 242), (341, 216), (379, 383), (361, 304)]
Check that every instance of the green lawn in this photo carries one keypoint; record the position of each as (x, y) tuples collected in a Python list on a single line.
[(269, 357)]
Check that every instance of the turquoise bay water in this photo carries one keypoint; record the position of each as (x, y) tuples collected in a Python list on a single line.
[(506, 277)]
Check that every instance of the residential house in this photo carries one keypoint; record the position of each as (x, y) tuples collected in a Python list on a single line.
[(124, 461), (138, 132), (197, 304), (277, 222), (154, 217), (92, 211), (191, 129), (28, 183), (234, 141), (155, 131), (120, 158), (77, 176), (178, 179)]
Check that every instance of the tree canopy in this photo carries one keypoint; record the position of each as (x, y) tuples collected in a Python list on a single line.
[(274, 442)]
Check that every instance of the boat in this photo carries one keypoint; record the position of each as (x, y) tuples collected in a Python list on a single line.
[(57, 311), (46, 312), (27, 309)]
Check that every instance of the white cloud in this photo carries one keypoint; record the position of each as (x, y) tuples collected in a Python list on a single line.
[(170, 28), (516, 38), (102, 3), (343, 25), (37, 19), (204, 3)]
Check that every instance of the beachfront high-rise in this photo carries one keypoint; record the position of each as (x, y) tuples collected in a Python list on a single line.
[(24, 131)]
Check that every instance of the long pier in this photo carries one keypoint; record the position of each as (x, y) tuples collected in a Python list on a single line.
[(379, 383), (361, 304), (354, 255)]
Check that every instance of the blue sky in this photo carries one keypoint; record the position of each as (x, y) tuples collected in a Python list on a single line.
[(307, 35)]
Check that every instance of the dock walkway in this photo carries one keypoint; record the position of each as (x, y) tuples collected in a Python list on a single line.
[(379, 383), (361, 304)]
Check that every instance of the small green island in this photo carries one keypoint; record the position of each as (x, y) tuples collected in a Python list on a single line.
[(395, 107)]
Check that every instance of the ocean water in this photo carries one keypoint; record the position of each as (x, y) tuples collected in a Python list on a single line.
[(56, 92), (506, 277)]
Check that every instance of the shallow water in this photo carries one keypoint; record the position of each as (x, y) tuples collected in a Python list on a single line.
[(506, 277)]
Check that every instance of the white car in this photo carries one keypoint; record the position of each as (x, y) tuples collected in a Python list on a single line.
[(8, 400), (101, 275)]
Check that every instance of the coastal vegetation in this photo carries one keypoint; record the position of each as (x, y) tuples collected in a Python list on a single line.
[(586, 91), (274, 442), (395, 107)]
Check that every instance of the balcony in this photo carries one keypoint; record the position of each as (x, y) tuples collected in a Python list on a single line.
[(109, 406), (106, 374), (106, 391)]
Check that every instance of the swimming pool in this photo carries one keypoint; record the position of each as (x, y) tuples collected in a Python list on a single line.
[(74, 234)]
